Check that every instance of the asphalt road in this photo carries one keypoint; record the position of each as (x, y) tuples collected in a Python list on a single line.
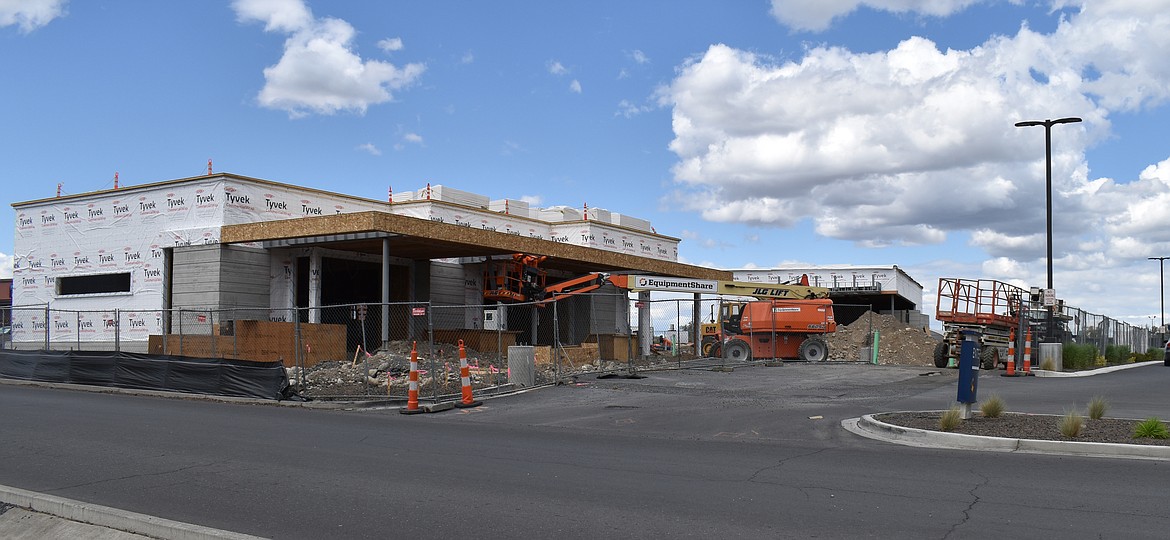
[(754, 453)]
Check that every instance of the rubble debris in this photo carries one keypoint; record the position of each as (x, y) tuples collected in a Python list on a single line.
[(898, 342)]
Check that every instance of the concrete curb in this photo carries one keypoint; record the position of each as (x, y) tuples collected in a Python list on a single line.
[(1091, 372), (867, 426), (112, 518)]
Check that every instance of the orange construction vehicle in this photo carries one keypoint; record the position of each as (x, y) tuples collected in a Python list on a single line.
[(787, 322)]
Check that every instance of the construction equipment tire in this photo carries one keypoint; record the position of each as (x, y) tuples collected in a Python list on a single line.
[(738, 349), (814, 349), (940, 355), (989, 358), (708, 345)]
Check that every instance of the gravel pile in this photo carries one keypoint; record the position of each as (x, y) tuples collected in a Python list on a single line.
[(386, 373), (898, 343)]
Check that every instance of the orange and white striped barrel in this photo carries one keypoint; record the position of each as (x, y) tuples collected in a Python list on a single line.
[(1011, 355), (412, 392), (465, 380), (1028, 353)]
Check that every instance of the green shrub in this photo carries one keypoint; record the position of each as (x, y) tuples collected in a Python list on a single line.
[(1078, 357), (1116, 354), (950, 419), (992, 407), (1071, 424), (1151, 428), (1152, 355), (1097, 407)]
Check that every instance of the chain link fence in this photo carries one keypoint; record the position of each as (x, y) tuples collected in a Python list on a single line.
[(1084, 328), (364, 350)]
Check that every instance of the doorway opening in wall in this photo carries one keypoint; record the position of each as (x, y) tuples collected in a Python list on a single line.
[(345, 282)]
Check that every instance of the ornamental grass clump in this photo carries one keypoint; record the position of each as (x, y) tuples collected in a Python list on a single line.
[(1151, 428), (1071, 424), (950, 419), (992, 407), (1097, 407)]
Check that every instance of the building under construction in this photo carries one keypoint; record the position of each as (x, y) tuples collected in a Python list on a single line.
[(120, 262)]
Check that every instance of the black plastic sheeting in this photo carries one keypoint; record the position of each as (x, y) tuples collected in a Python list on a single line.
[(212, 376)]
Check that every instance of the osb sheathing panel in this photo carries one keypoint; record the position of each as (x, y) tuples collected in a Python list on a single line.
[(486, 242)]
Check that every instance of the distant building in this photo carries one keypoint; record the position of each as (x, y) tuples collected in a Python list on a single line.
[(854, 289), (5, 302)]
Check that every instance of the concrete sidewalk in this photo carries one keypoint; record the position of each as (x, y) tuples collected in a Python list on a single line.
[(35, 516)]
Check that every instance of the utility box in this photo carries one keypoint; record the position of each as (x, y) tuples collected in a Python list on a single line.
[(522, 365), (969, 371), (1054, 352)]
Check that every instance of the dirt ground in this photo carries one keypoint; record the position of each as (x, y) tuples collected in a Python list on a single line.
[(385, 373)]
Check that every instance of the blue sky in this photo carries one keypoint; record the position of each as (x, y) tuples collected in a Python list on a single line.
[(865, 132)]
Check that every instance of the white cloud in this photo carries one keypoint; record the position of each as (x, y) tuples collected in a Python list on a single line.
[(816, 15), (630, 110), (575, 86), (910, 145), (319, 71), (369, 148), (532, 200), (30, 14), (467, 58), (6, 261), (512, 147), (390, 44), (277, 15), (556, 68), (639, 57), (414, 138)]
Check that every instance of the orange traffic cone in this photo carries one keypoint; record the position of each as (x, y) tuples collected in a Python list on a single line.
[(412, 393), (1011, 362), (465, 378), (1028, 354)]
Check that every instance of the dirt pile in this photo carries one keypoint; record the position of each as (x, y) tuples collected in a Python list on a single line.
[(898, 343)]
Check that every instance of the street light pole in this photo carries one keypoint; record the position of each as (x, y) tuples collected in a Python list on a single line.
[(1162, 282), (1048, 192)]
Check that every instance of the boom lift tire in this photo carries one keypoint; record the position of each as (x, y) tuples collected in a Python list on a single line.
[(940, 355), (738, 349), (814, 349), (989, 357)]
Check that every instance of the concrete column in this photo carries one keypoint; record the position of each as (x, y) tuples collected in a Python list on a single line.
[(385, 292), (314, 286), (696, 319), (645, 331)]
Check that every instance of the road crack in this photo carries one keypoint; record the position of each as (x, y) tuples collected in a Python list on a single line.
[(134, 476), (974, 501)]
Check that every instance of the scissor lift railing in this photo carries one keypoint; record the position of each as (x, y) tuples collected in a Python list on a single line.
[(978, 301)]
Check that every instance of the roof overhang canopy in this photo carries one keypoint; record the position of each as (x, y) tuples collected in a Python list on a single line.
[(422, 239)]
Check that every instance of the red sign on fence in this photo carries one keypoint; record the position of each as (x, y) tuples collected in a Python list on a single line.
[(418, 311)]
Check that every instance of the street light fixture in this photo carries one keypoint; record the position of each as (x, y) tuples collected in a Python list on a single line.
[(1048, 192), (1162, 281)]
